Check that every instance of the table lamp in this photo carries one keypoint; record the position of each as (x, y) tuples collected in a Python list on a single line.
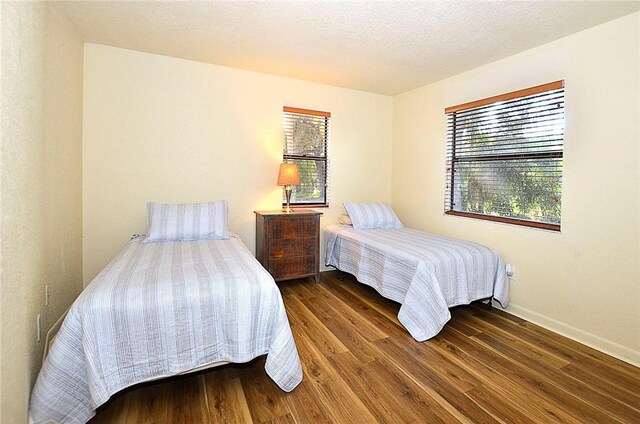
[(288, 177)]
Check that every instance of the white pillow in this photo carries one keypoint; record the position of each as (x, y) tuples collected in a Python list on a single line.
[(366, 216), (344, 219), (187, 221)]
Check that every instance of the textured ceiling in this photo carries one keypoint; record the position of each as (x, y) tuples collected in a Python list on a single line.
[(383, 47)]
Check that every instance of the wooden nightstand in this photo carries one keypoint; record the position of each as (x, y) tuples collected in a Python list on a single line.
[(288, 244)]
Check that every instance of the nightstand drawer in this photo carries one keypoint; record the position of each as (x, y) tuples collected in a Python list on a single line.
[(292, 267), (280, 248), (292, 227)]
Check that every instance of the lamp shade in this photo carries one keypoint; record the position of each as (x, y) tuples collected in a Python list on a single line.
[(288, 174)]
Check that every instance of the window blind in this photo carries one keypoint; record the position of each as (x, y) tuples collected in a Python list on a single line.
[(306, 134), (504, 157)]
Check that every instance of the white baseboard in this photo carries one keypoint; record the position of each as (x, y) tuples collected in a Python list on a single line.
[(603, 345)]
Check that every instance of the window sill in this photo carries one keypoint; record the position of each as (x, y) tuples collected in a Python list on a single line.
[(522, 223), (306, 206)]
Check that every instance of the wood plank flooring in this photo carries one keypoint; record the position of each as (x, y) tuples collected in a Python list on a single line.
[(361, 366)]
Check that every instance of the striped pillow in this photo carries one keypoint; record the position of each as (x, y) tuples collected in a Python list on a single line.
[(366, 216), (190, 221)]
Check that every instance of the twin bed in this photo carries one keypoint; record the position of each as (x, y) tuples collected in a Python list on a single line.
[(426, 273), (190, 295), (164, 308)]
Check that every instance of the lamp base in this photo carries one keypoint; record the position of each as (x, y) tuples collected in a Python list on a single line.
[(287, 192)]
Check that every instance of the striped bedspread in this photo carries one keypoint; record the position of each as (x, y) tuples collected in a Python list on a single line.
[(425, 273), (160, 309)]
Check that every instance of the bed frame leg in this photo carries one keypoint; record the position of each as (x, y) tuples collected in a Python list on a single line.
[(489, 303)]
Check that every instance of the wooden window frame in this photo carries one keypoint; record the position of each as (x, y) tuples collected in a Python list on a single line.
[(487, 101)]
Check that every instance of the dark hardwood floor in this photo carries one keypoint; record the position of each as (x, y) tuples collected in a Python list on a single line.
[(361, 366)]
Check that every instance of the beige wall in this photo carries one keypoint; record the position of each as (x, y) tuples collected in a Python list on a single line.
[(170, 130), (41, 188), (585, 281)]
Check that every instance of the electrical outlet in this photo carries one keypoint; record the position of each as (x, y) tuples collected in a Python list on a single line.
[(46, 295), (38, 328), (511, 271)]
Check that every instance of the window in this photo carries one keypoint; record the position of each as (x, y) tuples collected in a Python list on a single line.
[(504, 157), (306, 139)]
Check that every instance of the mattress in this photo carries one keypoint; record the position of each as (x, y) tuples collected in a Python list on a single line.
[(158, 310), (426, 273)]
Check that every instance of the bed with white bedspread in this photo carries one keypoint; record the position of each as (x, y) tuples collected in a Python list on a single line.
[(426, 273), (161, 309)]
